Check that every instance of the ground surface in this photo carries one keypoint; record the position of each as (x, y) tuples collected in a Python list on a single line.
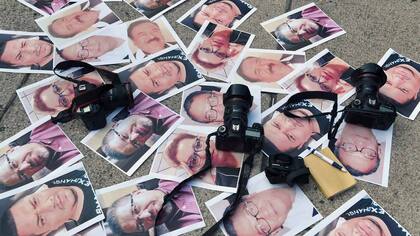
[(372, 27)]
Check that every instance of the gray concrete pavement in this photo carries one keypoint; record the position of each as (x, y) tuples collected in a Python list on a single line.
[(372, 27)]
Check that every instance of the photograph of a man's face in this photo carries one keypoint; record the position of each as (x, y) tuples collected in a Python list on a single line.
[(153, 8), (402, 87), (229, 13), (360, 215), (324, 72), (266, 209), (293, 135), (162, 75), (63, 204), (148, 37), (34, 153), (103, 48), (76, 22), (216, 49), (52, 95), (25, 52), (303, 28), (267, 68), (183, 154), (131, 208), (132, 135), (202, 105), (45, 7)]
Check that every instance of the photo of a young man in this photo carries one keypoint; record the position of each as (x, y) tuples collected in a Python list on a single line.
[(77, 22), (293, 135), (104, 48), (133, 134), (153, 8), (147, 37), (45, 7), (229, 13), (266, 209), (65, 204), (267, 68), (403, 83), (132, 208), (33, 153), (303, 28), (361, 215), (25, 52), (216, 49), (183, 155), (163, 75), (52, 95)]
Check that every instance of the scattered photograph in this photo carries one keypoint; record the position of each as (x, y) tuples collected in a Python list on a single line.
[(293, 136), (52, 95), (163, 74), (303, 28), (216, 49), (94, 230), (61, 204), (147, 37), (267, 68), (229, 13), (103, 48), (403, 83), (45, 7), (152, 9), (364, 152), (76, 22), (202, 105), (183, 154), (360, 215), (265, 209), (34, 153), (132, 207), (324, 72), (132, 135), (26, 52)]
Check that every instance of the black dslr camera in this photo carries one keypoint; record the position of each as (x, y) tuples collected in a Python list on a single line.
[(235, 135), (92, 103), (366, 109)]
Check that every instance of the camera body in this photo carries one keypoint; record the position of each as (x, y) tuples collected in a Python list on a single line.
[(235, 135), (367, 109)]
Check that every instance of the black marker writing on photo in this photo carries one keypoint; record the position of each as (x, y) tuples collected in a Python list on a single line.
[(328, 160)]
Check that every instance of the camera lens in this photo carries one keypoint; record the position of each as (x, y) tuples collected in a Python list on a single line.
[(237, 101)]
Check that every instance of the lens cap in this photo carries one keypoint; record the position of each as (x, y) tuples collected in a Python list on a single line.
[(370, 70)]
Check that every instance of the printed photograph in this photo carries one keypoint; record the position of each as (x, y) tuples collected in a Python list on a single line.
[(293, 136), (324, 72), (229, 13), (152, 9), (265, 209), (62, 204), (34, 153), (163, 74), (402, 87), (52, 95), (103, 48), (132, 135), (302, 28), (76, 22), (267, 68), (45, 7), (94, 230), (216, 49), (202, 105), (26, 52), (183, 154), (360, 215), (147, 37), (364, 152), (132, 207)]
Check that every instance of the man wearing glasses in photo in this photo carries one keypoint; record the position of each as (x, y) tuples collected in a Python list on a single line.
[(261, 213), (299, 28), (358, 150), (137, 211)]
